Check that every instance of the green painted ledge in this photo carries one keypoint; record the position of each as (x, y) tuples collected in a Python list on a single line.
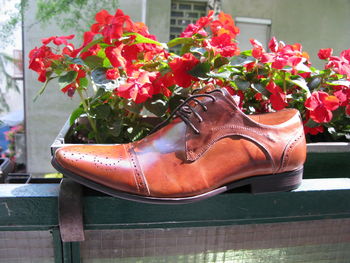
[(34, 206)]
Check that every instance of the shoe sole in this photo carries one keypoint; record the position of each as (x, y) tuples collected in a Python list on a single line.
[(281, 182)]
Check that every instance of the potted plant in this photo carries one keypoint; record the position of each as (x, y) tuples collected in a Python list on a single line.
[(128, 81)]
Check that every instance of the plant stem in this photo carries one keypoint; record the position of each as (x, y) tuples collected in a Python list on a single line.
[(87, 109)]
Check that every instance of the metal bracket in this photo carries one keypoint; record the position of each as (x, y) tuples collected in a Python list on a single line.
[(70, 211)]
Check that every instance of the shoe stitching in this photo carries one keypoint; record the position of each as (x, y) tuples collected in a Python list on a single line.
[(288, 149), (140, 179), (217, 137)]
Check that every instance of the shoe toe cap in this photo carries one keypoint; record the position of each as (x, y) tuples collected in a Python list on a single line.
[(106, 165)]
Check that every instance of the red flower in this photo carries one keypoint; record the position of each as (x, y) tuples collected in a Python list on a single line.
[(162, 84), (40, 60), (280, 62), (224, 25), (181, 66), (112, 73), (111, 27), (138, 87), (70, 88), (273, 44), (258, 49), (57, 40), (192, 29), (281, 56), (88, 37), (205, 20), (114, 54), (294, 62), (340, 64), (347, 109), (325, 53), (130, 52), (198, 28), (343, 95), (92, 51), (140, 28), (258, 96), (223, 45), (313, 130), (321, 105), (278, 97), (250, 66)]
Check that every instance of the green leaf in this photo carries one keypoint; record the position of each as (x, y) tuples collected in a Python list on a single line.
[(198, 50), (141, 39), (179, 41), (339, 82), (101, 111), (302, 67), (99, 93), (94, 61), (135, 133), (242, 84), (157, 105), (133, 107), (241, 60), (92, 43), (200, 70), (67, 79), (311, 123), (301, 82), (76, 114), (41, 91), (260, 88), (115, 128), (84, 83), (185, 49), (77, 61), (175, 101), (101, 53), (247, 53), (220, 61), (106, 63), (223, 75)]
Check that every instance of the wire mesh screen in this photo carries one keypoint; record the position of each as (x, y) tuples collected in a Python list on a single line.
[(26, 247), (321, 241)]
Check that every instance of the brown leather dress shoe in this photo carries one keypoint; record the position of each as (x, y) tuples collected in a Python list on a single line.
[(211, 147)]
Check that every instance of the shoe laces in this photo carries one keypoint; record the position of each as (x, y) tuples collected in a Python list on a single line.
[(186, 109)]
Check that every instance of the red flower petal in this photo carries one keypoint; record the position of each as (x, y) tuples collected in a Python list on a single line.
[(114, 54), (181, 66), (321, 115), (273, 44), (331, 103), (325, 53), (112, 73)]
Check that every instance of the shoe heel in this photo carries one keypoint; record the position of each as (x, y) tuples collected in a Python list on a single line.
[(282, 182)]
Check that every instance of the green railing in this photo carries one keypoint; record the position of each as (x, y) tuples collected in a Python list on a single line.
[(316, 216)]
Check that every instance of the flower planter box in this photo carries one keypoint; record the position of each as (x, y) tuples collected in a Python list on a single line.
[(324, 160), (6, 166), (18, 178), (327, 160)]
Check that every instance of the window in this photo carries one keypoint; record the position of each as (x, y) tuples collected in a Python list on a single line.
[(184, 13), (260, 29)]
